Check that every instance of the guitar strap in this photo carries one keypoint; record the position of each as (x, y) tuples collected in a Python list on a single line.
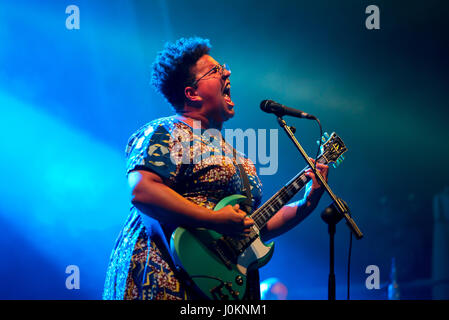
[(247, 204), (253, 279)]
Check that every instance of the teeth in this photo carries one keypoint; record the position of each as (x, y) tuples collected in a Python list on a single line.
[(227, 89), (227, 95)]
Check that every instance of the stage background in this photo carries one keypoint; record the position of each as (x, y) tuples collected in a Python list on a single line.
[(70, 99)]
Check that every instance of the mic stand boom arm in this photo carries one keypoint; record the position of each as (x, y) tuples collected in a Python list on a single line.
[(340, 205)]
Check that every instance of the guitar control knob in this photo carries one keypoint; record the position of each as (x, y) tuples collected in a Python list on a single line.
[(239, 280)]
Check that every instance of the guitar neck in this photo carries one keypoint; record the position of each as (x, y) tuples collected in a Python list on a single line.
[(282, 197)]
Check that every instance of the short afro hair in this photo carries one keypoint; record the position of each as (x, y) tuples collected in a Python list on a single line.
[(171, 69)]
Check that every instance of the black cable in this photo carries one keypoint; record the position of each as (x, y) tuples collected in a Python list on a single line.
[(349, 257), (350, 233), (319, 145), (208, 277), (349, 263)]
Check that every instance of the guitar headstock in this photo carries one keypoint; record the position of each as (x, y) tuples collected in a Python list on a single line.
[(332, 149)]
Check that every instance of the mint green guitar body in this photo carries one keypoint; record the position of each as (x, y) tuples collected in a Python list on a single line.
[(220, 272)]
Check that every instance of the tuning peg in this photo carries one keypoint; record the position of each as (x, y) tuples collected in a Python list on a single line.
[(323, 139), (334, 165), (326, 135), (342, 157), (318, 142)]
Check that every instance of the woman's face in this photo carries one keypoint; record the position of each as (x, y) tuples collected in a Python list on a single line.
[(214, 89)]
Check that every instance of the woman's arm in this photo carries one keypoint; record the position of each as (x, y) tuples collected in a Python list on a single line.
[(292, 214), (154, 198)]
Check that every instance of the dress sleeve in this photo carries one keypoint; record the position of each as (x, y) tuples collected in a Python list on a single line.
[(149, 149)]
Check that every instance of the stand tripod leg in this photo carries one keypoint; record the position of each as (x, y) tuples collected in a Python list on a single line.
[(331, 280)]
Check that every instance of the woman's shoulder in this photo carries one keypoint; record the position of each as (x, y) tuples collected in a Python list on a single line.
[(168, 123), (161, 126)]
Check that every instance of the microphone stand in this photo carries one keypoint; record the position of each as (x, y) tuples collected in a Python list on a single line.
[(332, 214)]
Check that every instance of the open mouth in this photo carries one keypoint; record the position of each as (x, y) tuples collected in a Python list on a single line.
[(227, 95)]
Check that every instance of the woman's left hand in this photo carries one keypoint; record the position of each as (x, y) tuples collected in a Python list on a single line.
[(314, 189)]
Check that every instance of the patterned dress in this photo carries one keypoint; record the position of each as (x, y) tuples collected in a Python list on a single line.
[(197, 165)]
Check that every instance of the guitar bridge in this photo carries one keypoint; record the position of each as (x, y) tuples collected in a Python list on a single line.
[(239, 246), (217, 293)]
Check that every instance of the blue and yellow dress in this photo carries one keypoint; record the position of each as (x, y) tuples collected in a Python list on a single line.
[(198, 166)]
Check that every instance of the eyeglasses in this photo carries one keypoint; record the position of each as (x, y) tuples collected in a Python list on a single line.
[(220, 68)]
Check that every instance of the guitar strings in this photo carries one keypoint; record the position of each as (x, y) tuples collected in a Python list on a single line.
[(259, 214), (280, 194)]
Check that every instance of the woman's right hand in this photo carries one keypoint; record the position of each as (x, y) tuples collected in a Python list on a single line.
[(151, 196), (232, 221)]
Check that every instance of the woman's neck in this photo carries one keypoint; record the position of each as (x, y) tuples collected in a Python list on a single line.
[(206, 123)]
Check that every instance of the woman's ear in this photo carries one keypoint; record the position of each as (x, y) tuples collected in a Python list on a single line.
[(192, 94)]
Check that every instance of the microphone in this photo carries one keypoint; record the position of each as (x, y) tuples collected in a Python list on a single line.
[(270, 106)]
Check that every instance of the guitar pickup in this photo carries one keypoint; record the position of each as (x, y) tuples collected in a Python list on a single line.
[(225, 251)]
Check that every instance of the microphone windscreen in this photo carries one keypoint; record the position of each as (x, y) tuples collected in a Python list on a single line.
[(265, 105)]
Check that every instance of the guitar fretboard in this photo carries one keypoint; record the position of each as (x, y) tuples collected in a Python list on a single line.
[(281, 198)]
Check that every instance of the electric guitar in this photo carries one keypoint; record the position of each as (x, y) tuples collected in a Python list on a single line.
[(218, 264)]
